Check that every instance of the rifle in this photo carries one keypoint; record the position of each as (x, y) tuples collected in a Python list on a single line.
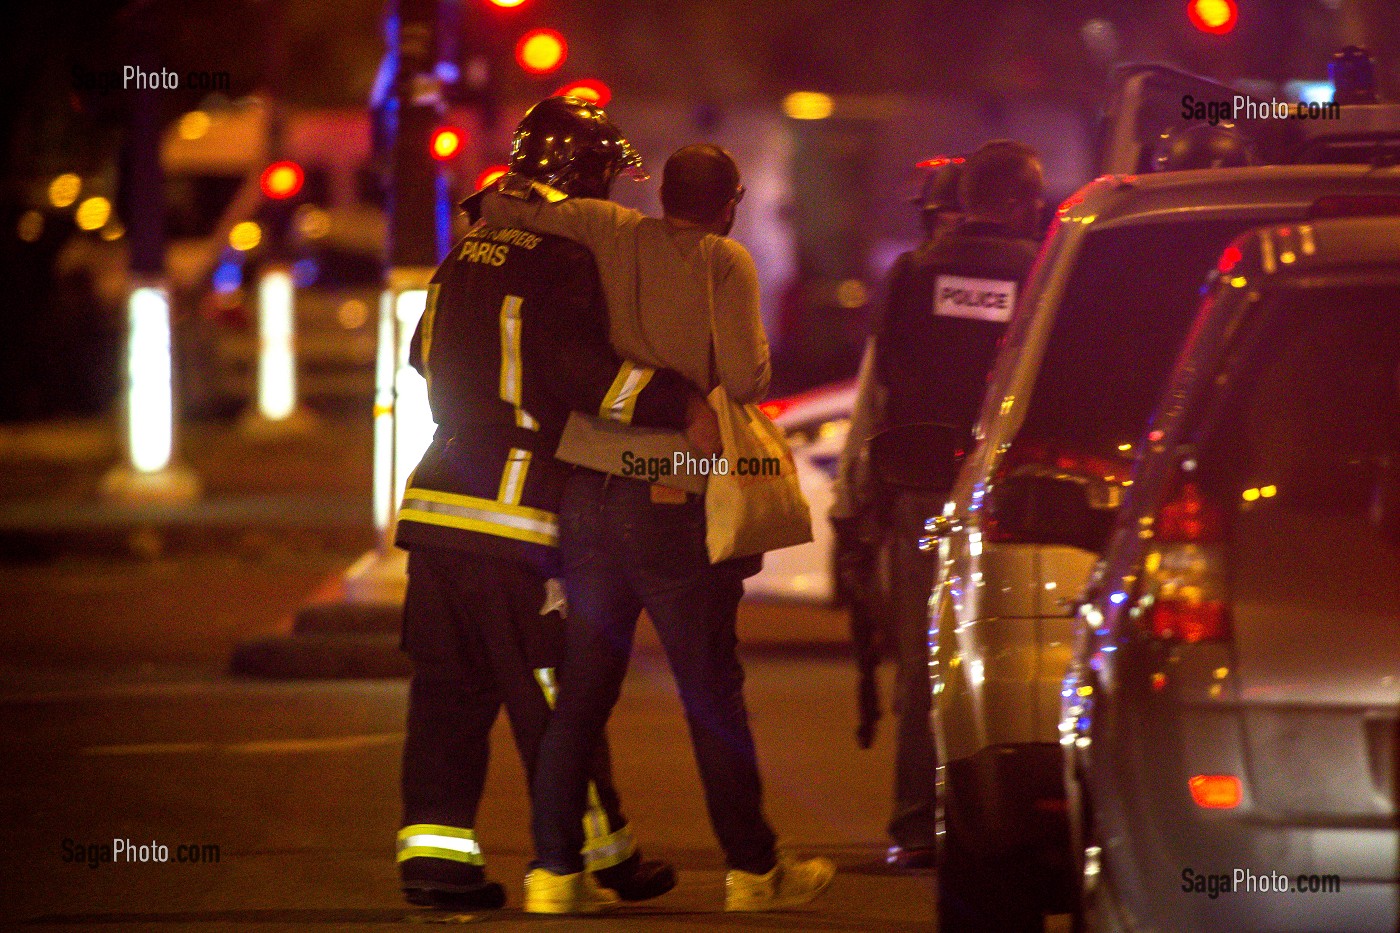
[(856, 573)]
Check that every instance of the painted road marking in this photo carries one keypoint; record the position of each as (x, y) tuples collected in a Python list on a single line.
[(260, 747)]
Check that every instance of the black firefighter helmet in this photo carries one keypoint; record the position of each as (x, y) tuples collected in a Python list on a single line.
[(570, 144)]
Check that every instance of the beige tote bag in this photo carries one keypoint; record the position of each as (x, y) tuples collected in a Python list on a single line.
[(756, 503)]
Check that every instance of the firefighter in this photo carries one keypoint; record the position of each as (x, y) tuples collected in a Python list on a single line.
[(513, 337), (948, 304)]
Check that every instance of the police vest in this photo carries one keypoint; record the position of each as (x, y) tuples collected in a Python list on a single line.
[(949, 303)]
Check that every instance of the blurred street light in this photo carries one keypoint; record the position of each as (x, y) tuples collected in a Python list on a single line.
[(93, 213), (589, 89), (446, 143), (808, 105), (245, 236), (31, 226), (282, 180), (1216, 17), (64, 189), (490, 174), (541, 51)]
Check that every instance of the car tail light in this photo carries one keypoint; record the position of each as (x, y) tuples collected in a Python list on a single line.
[(774, 408), (1216, 791), (1184, 589), (1355, 205)]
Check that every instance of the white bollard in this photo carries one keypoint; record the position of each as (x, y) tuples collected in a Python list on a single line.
[(276, 412), (150, 406), (277, 368)]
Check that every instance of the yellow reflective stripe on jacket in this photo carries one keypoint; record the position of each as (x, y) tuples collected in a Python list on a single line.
[(606, 851), (429, 314), (427, 840), (513, 476), (510, 361), (485, 516), (621, 399)]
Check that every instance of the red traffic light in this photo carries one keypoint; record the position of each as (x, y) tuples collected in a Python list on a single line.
[(506, 4), (490, 174), (447, 142), (589, 89), (541, 51), (281, 180), (1216, 17)]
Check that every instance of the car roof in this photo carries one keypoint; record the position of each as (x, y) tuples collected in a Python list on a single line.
[(1316, 247), (1204, 194)]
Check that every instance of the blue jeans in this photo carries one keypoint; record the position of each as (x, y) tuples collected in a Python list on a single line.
[(622, 553)]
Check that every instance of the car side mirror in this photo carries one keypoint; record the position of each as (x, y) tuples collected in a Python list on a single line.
[(923, 457)]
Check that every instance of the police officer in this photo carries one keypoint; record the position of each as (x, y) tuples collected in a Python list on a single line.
[(513, 337), (860, 508), (948, 305)]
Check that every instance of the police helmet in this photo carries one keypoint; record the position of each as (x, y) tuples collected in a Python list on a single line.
[(570, 144), (940, 189), (1203, 146)]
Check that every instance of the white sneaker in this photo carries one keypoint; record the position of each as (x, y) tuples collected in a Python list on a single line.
[(792, 882), (548, 893)]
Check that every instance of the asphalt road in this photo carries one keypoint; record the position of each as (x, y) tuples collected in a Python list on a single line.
[(118, 723)]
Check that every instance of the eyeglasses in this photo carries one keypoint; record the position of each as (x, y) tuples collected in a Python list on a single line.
[(738, 195)]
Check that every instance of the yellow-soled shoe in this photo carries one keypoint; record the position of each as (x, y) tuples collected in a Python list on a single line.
[(548, 893), (791, 883)]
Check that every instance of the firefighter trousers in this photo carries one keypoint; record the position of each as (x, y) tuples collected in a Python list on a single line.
[(474, 631)]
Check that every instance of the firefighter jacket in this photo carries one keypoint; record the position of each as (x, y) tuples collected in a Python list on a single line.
[(514, 337), (949, 302)]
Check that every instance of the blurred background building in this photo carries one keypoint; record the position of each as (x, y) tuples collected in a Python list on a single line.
[(827, 105)]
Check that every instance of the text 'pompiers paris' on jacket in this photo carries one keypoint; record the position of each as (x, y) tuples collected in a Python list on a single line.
[(515, 336)]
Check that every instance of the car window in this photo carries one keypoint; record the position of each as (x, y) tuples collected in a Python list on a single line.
[(1124, 315), (1304, 455)]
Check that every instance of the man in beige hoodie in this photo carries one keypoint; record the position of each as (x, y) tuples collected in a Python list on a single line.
[(681, 295)]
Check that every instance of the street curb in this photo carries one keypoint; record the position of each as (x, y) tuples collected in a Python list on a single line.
[(349, 618), (322, 656)]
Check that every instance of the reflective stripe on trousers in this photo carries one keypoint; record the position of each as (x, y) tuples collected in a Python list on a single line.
[(426, 840)]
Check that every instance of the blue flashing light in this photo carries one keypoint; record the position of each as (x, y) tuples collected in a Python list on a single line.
[(305, 272), (228, 277)]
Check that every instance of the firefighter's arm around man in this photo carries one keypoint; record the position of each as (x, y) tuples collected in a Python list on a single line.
[(588, 375)]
